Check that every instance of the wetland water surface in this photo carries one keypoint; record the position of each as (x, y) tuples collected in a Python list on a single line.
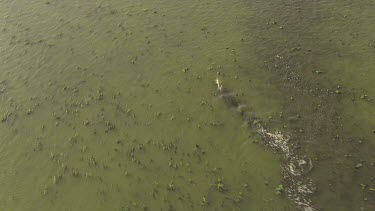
[(187, 105)]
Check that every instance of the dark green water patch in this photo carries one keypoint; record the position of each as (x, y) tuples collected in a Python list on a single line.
[(323, 108)]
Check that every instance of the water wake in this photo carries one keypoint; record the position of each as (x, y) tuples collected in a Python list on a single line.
[(297, 185)]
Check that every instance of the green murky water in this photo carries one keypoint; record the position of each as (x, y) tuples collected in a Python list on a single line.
[(112, 105)]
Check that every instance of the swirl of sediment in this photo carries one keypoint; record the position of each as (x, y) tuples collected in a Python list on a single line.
[(297, 185)]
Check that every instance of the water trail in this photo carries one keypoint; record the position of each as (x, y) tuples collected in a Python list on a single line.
[(296, 184)]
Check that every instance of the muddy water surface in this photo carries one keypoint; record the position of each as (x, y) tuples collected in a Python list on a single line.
[(112, 105)]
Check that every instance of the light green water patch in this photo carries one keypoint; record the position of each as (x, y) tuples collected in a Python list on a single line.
[(112, 105)]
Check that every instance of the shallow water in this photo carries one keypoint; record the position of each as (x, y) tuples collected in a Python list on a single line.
[(112, 105)]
